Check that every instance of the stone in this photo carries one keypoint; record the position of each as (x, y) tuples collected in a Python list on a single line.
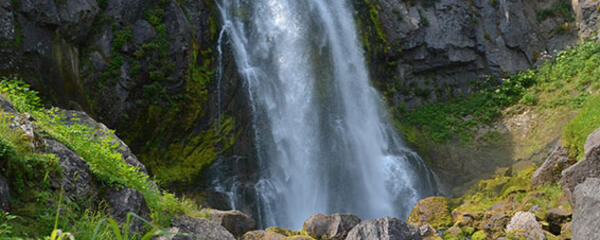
[(142, 32), (556, 218), (127, 200), (77, 17), (384, 229), (126, 11), (592, 141), (254, 235), (77, 180), (550, 170), (588, 167), (199, 229), (234, 221), (453, 233), (524, 224), (4, 194), (586, 214), (334, 227), (565, 231), (433, 211)]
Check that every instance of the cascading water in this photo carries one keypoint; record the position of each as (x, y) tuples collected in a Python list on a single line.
[(322, 139)]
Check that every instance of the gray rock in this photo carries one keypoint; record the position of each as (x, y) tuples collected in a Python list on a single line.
[(525, 225), (77, 180), (4, 194), (588, 17), (7, 24), (142, 32), (77, 17), (588, 167), (335, 227), (41, 11), (195, 228), (127, 200), (234, 221), (126, 11), (550, 171), (593, 140), (384, 229), (586, 216)]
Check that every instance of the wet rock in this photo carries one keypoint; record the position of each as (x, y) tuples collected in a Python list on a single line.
[(385, 229), (199, 229), (77, 182), (550, 171), (4, 194), (524, 224), (556, 218), (433, 211), (127, 200), (586, 215), (588, 167), (234, 221), (335, 227)]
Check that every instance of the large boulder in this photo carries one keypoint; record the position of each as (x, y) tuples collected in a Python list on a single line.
[(334, 227), (384, 229), (234, 221), (433, 211), (127, 200), (586, 217), (550, 171), (76, 182), (189, 228), (524, 225), (4, 194), (588, 167)]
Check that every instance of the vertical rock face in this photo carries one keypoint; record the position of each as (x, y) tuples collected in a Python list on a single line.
[(4, 194), (588, 17), (586, 217), (552, 167)]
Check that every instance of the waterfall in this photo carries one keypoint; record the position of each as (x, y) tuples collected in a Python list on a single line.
[(323, 141)]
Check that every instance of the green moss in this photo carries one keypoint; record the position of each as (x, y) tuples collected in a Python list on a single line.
[(479, 235), (433, 211), (581, 126)]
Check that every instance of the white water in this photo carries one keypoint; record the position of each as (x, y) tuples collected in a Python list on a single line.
[(322, 137)]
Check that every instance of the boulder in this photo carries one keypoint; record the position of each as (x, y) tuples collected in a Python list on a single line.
[(127, 200), (591, 141), (76, 182), (550, 171), (588, 17), (255, 235), (334, 227), (195, 229), (433, 211), (586, 216), (384, 229), (454, 233), (234, 221), (556, 218), (588, 167), (524, 225), (143, 32), (4, 194)]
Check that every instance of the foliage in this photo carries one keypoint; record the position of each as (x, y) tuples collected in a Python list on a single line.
[(581, 126), (561, 8)]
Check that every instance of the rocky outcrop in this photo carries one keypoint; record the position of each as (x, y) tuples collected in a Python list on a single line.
[(586, 216), (384, 229), (557, 218), (234, 221), (550, 170), (588, 17), (4, 194), (588, 167), (77, 182), (124, 201), (433, 211), (334, 227), (188, 228), (524, 225)]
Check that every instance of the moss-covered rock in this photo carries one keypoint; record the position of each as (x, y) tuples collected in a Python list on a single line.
[(433, 211)]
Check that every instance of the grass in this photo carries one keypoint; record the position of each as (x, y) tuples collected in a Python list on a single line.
[(27, 169), (581, 126)]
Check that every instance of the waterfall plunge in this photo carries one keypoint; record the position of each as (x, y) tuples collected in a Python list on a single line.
[(323, 142)]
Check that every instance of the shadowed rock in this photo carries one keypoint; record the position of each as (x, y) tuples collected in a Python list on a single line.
[(234, 221), (384, 229), (335, 227)]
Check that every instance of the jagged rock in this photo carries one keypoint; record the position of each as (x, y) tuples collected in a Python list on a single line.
[(125, 11), (234, 221), (384, 229), (586, 216), (592, 141), (42, 11), (143, 32), (77, 180), (335, 227), (525, 225), (433, 211), (588, 167), (428, 232), (550, 171), (77, 17), (199, 229), (556, 218), (496, 222), (127, 200), (4, 194)]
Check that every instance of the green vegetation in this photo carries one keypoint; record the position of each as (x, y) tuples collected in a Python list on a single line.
[(567, 81), (581, 126), (561, 8), (26, 169)]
